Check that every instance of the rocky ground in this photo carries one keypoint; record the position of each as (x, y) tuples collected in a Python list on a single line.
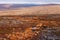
[(27, 27)]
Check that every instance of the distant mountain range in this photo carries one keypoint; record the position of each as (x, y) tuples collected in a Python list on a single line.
[(15, 6)]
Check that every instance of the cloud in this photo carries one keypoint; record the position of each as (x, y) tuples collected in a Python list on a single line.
[(8, 4)]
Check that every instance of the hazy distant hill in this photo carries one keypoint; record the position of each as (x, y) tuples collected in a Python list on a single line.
[(37, 10), (15, 6)]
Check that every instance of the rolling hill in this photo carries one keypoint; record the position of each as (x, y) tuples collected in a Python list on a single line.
[(37, 10)]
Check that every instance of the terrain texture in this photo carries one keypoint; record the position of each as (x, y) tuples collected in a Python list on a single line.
[(34, 23)]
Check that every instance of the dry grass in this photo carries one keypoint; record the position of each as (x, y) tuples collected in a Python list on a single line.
[(22, 27), (37, 10)]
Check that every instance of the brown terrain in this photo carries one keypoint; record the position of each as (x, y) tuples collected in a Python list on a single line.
[(30, 23), (37, 10)]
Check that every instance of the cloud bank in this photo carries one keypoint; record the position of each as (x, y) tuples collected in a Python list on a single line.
[(29, 2)]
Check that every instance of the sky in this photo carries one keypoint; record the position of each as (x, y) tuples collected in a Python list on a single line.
[(30, 1)]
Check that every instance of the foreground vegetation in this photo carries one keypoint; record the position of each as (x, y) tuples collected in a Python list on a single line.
[(27, 27)]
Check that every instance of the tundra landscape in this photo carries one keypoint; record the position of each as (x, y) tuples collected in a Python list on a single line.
[(30, 23)]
